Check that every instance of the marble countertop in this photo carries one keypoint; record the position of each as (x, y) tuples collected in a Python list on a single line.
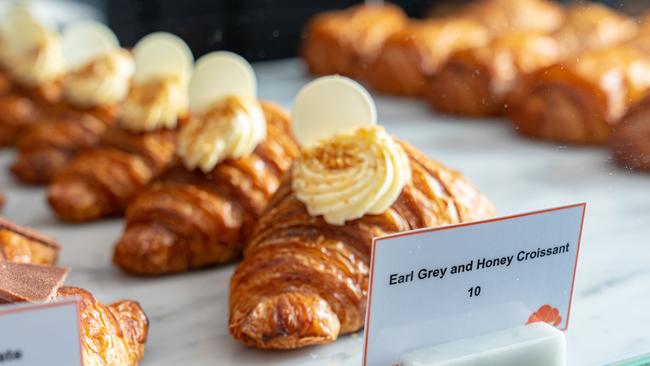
[(189, 312)]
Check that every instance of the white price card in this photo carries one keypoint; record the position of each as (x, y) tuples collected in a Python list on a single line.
[(40, 334), (437, 285)]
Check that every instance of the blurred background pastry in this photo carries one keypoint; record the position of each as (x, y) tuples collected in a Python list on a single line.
[(140, 147), (344, 42), (97, 79), (32, 58)]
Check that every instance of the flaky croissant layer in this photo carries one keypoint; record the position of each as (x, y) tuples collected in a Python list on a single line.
[(111, 335), (304, 282)]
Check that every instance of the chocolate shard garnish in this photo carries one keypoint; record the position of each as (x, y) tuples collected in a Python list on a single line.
[(21, 282)]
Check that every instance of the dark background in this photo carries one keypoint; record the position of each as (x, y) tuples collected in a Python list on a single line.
[(256, 29)]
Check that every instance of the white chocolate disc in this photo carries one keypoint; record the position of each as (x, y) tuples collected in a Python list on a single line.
[(85, 40), (218, 75), (162, 54), (331, 105)]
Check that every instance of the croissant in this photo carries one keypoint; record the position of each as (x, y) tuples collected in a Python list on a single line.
[(111, 335), (591, 26), (485, 81), (411, 55), (129, 161), (45, 148), (501, 16), (190, 219), (343, 42), (304, 282), (477, 82), (92, 93), (579, 101), (22, 245), (23, 107), (630, 141)]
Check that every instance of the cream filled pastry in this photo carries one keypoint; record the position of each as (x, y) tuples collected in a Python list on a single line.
[(155, 104), (231, 129), (96, 79), (138, 149), (104, 80), (351, 175)]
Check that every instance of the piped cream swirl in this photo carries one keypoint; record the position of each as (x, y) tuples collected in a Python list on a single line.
[(350, 175), (35, 64), (154, 105), (231, 129), (103, 81)]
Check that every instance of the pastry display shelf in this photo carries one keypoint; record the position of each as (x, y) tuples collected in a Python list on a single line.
[(189, 312)]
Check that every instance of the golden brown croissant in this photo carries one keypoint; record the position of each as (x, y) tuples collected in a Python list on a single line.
[(507, 15), (411, 55), (111, 335), (189, 219), (23, 107), (477, 82), (128, 161), (486, 80), (304, 282), (5, 82), (591, 26), (22, 245), (630, 141), (46, 147), (580, 100), (343, 42)]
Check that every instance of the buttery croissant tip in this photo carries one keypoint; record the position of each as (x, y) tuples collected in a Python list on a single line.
[(287, 321), (75, 201), (147, 249)]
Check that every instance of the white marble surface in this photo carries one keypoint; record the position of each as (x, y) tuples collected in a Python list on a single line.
[(610, 313)]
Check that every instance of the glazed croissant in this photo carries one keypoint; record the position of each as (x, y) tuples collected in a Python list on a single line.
[(304, 282), (111, 335), (128, 161), (630, 141), (579, 101), (343, 42), (45, 148), (189, 219), (410, 56), (22, 245)]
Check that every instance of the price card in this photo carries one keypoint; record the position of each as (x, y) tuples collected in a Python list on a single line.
[(40, 334), (437, 285)]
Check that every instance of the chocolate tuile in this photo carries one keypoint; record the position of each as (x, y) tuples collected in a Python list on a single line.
[(20, 282)]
